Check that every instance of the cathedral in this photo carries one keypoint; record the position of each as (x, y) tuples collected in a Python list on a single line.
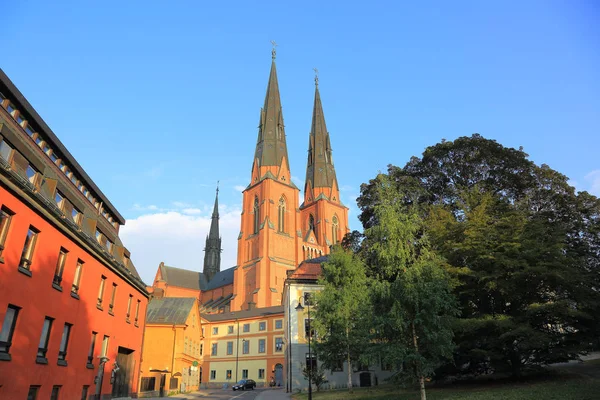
[(241, 310)]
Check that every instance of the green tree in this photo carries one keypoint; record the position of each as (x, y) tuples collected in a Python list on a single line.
[(342, 314), (523, 250), (413, 306)]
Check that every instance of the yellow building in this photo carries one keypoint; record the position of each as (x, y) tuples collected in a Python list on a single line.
[(244, 344), (172, 351)]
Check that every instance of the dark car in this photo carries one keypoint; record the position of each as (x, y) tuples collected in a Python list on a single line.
[(244, 384)]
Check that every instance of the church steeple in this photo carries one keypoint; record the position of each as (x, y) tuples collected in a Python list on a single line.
[(271, 148), (212, 250), (320, 172)]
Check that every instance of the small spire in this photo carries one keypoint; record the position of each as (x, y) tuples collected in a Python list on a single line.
[(316, 76), (273, 51)]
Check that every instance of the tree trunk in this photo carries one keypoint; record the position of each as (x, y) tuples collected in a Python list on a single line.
[(417, 369), (348, 359)]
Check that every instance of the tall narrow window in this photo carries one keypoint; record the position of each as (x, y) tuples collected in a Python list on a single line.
[(137, 312), (8, 329), (77, 277), (245, 346), (64, 344), (256, 215), (55, 392), (6, 150), (60, 267), (84, 392), (28, 248), (32, 174), (33, 392), (334, 229), (245, 374), (281, 226), (43, 345), (111, 306), (129, 307), (105, 346), (76, 215), (90, 359), (311, 223), (214, 349), (261, 345), (101, 292), (60, 199), (229, 348), (278, 344), (5, 218)]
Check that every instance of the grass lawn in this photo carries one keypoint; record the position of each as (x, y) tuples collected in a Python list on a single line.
[(558, 388)]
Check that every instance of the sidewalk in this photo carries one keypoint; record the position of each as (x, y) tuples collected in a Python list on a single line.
[(274, 394)]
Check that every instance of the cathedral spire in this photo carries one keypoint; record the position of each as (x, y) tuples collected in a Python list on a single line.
[(320, 172), (212, 250), (271, 147)]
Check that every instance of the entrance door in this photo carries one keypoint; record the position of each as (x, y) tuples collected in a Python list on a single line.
[(278, 374), (122, 382), (365, 379)]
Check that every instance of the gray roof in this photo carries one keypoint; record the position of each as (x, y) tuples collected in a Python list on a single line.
[(188, 279), (256, 312), (169, 310)]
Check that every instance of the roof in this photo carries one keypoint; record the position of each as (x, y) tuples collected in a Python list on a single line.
[(49, 135), (309, 269), (189, 279), (256, 312), (169, 310)]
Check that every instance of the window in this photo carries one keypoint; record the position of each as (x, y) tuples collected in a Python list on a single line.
[(279, 324), (246, 327), (101, 292), (76, 215), (43, 345), (213, 351), (244, 374), (31, 173), (245, 346), (10, 108), (261, 373), (215, 331), (229, 348), (129, 307), (278, 344), (201, 348), (307, 326), (262, 326), (77, 277), (5, 218), (213, 374), (334, 229), (261, 345), (55, 392), (111, 306), (109, 245), (148, 384), (105, 346), (311, 223), (29, 129), (90, 359), (59, 198), (6, 150), (60, 267), (98, 236), (256, 215), (228, 374), (64, 343), (8, 330), (137, 312), (338, 366), (84, 392), (311, 362), (28, 248), (230, 329), (20, 119), (33, 392), (281, 225)]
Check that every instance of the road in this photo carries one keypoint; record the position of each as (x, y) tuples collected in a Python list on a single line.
[(227, 394)]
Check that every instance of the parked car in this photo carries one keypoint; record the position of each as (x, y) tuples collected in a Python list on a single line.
[(244, 384)]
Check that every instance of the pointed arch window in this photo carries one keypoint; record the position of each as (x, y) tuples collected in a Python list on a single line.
[(311, 223), (334, 229), (281, 213), (256, 214)]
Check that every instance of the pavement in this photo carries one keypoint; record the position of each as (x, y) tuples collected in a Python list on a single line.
[(273, 394), (224, 394)]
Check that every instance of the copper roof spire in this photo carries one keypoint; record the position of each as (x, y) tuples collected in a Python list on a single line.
[(212, 255)]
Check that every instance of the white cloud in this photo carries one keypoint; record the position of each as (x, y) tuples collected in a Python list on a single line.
[(178, 240), (191, 211), (180, 204), (239, 188), (593, 182)]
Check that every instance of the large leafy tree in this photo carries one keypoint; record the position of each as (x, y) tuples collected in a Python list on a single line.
[(411, 295), (522, 247), (342, 316)]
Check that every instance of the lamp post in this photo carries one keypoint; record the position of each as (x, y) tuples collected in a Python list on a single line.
[(299, 308)]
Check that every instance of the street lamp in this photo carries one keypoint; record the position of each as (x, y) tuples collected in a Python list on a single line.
[(299, 308)]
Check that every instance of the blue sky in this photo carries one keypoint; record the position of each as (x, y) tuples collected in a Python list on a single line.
[(159, 100)]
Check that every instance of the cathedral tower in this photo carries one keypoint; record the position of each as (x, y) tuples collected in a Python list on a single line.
[(212, 250), (267, 242)]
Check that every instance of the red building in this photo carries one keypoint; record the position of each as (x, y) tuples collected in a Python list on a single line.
[(72, 305)]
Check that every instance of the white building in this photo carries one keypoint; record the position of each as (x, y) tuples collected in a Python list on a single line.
[(297, 288)]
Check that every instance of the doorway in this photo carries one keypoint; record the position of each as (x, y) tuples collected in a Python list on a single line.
[(122, 376), (278, 374)]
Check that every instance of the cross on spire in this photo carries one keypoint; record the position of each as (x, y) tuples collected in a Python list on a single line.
[(273, 51), (316, 76)]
